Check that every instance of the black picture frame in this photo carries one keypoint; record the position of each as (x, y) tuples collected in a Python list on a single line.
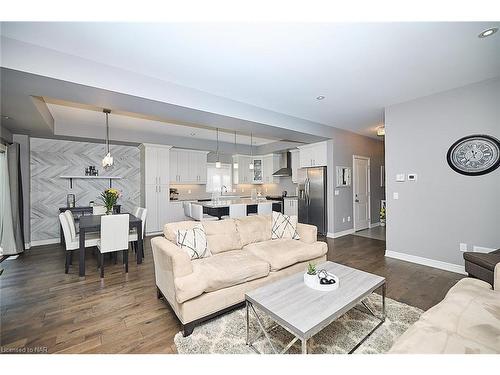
[(478, 173)]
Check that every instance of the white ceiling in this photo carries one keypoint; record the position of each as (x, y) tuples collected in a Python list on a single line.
[(93, 120), (359, 68)]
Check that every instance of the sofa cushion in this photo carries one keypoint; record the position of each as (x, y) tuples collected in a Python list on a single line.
[(170, 229), (254, 229), (283, 252), (222, 235), (194, 242), (284, 226)]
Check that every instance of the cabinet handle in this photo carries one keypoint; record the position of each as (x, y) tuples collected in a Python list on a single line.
[(159, 180), (159, 188)]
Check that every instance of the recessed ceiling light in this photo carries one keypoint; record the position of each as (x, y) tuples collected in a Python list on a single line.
[(321, 97), (488, 32)]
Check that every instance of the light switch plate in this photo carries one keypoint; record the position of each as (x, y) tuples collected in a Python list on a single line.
[(400, 177), (337, 192), (395, 195)]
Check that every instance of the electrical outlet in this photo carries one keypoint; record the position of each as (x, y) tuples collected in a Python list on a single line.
[(348, 218), (463, 247), (395, 195)]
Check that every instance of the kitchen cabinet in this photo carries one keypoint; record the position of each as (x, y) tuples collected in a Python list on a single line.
[(271, 163), (242, 175), (291, 206), (155, 168), (313, 155), (295, 165), (188, 166)]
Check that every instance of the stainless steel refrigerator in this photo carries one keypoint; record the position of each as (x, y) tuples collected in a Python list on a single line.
[(312, 197)]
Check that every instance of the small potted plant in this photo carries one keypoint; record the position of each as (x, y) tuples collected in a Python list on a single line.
[(109, 197), (311, 277), (382, 217)]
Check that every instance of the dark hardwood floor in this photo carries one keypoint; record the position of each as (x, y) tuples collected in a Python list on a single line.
[(43, 309)]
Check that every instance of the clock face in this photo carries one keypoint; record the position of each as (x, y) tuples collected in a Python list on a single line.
[(474, 155)]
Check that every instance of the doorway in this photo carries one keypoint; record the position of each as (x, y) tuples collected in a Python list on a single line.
[(361, 192)]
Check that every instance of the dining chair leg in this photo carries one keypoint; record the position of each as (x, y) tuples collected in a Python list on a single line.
[(102, 266), (125, 260), (71, 258), (99, 260), (66, 267)]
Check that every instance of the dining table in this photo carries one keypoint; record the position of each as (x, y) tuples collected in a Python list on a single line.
[(92, 223)]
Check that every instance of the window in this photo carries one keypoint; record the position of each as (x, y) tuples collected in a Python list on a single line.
[(218, 177)]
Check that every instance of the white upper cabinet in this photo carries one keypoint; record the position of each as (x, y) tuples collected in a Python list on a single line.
[(271, 163), (295, 164), (313, 155), (188, 166), (242, 175), (156, 164)]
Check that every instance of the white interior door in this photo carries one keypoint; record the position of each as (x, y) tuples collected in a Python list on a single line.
[(361, 185)]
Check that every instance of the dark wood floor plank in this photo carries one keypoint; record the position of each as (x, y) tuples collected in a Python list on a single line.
[(41, 306)]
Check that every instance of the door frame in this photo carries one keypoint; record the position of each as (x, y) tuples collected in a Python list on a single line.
[(354, 194)]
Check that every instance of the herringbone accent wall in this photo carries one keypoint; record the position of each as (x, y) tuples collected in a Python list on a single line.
[(51, 158)]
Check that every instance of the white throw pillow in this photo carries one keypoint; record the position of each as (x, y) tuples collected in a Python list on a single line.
[(194, 242), (284, 226)]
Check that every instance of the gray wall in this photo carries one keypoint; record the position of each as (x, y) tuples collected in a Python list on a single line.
[(24, 146), (51, 158), (340, 152), (442, 208)]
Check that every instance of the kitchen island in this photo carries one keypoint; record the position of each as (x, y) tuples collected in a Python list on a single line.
[(220, 207)]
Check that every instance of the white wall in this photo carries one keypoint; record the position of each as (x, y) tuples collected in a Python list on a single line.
[(442, 208)]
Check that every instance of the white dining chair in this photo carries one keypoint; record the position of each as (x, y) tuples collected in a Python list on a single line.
[(198, 215), (187, 209), (132, 237), (114, 237), (137, 211), (72, 241), (98, 210)]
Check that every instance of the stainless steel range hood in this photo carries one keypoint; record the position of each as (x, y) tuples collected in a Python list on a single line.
[(287, 171)]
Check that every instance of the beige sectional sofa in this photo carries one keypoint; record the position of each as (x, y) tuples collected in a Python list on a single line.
[(244, 258), (466, 321)]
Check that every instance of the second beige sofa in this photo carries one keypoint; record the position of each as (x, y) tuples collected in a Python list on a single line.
[(244, 258)]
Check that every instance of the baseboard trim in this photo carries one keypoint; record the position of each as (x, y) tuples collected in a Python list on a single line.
[(45, 242), (340, 234), (426, 262), (373, 225)]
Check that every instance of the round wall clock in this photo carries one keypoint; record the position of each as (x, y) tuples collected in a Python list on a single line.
[(474, 155)]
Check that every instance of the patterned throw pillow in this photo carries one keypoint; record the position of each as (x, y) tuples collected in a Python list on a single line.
[(194, 242), (284, 226)]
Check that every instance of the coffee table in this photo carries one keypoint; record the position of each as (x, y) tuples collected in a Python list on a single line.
[(304, 312)]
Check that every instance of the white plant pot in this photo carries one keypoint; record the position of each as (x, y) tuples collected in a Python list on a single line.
[(310, 280)]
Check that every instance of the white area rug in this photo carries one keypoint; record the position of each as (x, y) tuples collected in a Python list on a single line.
[(226, 334)]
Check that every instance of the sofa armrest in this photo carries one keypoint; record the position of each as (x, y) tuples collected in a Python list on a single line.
[(308, 233), (496, 278), (170, 263)]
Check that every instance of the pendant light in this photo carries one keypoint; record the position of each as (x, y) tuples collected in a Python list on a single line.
[(107, 161), (235, 164), (217, 162), (251, 166)]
